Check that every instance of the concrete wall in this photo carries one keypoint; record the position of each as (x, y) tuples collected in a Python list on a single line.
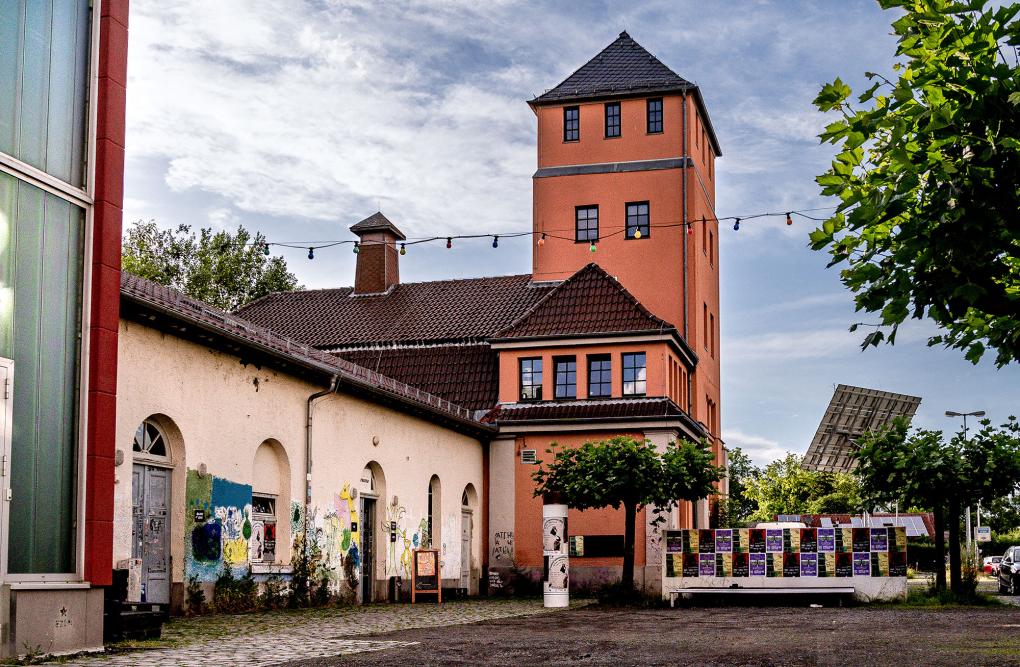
[(217, 411)]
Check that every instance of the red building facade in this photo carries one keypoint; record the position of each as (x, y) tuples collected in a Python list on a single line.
[(63, 71)]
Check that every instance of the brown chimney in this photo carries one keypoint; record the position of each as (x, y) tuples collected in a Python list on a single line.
[(378, 261)]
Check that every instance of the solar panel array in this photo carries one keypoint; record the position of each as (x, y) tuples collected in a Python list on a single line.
[(852, 412), (914, 524)]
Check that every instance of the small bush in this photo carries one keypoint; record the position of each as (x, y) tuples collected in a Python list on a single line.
[(233, 595), (194, 596), (273, 594)]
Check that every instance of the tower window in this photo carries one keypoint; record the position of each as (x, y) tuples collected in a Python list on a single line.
[(571, 123), (613, 119), (586, 223), (566, 377), (637, 220), (600, 376), (655, 115), (531, 379), (634, 374)]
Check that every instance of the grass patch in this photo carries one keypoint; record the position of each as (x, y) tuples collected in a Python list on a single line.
[(927, 598)]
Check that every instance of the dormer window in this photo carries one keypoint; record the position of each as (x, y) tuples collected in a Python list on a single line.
[(612, 120), (655, 116), (600, 376), (571, 123)]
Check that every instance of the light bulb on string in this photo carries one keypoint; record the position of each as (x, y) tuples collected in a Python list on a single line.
[(403, 249), (495, 241), (789, 220), (311, 253), (265, 249), (541, 241), (690, 229), (637, 234), (736, 225), (592, 247), (357, 247), (449, 242)]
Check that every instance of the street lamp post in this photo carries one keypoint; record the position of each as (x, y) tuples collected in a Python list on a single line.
[(976, 413)]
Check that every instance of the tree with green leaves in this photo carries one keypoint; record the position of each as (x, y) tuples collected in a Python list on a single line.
[(921, 468), (224, 269), (740, 474), (629, 472), (928, 178), (786, 487)]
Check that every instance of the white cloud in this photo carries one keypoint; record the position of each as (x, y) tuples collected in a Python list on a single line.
[(792, 345), (760, 449)]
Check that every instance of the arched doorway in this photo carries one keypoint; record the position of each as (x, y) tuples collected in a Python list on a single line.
[(151, 490), (373, 558), (468, 502)]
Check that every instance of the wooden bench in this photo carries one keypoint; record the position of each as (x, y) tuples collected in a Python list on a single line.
[(758, 590)]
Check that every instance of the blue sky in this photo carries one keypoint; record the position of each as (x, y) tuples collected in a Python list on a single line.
[(299, 123)]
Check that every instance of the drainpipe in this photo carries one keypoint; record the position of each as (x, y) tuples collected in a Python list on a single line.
[(333, 384), (685, 234)]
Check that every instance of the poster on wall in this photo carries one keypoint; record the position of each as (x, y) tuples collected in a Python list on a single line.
[(808, 540), (844, 539), (557, 579), (740, 536), (879, 564), (741, 565), (724, 541), (674, 542), (879, 539), (791, 564), (844, 564), (862, 564), (706, 565), (756, 540), (756, 564), (791, 540), (827, 565), (827, 539), (774, 540), (425, 573), (690, 565), (706, 541), (674, 565), (808, 565), (553, 530), (774, 565), (690, 541), (861, 540), (897, 563), (724, 565)]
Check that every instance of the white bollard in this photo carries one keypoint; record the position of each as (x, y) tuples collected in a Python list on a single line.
[(556, 578)]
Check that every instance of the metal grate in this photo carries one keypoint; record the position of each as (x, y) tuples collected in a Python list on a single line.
[(529, 456)]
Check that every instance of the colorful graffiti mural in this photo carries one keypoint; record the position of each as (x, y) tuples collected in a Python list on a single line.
[(217, 526)]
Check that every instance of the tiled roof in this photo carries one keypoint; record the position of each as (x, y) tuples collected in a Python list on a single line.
[(469, 310), (589, 302), (600, 409), (170, 301), (465, 374), (377, 222), (623, 67)]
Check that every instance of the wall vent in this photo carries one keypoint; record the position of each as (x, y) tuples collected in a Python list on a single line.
[(529, 456)]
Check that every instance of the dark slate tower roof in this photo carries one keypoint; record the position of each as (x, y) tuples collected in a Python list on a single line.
[(623, 67), (375, 223)]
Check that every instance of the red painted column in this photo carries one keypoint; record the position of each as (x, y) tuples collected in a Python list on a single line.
[(105, 314)]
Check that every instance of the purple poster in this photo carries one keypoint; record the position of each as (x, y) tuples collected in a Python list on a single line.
[(757, 564), (774, 540), (879, 539), (706, 566), (827, 540), (808, 565), (862, 564), (724, 541)]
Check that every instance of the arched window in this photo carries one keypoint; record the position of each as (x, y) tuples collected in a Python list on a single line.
[(434, 511), (464, 499), (149, 440)]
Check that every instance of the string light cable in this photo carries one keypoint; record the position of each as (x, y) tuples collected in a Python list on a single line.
[(543, 235)]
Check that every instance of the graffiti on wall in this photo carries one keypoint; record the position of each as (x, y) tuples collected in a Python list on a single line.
[(503, 547), (217, 526)]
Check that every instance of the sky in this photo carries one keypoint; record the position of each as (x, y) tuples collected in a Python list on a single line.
[(297, 119)]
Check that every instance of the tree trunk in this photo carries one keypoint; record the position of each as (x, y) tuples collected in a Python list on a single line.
[(955, 580), (940, 547), (630, 516)]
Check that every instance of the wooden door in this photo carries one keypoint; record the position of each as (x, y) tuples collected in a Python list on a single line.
[(150, 534)]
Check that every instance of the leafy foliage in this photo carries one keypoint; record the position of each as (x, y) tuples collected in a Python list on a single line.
[(740, 474), (920, 468), (784, 487), (928, 177), (628, 472), (223, 269)]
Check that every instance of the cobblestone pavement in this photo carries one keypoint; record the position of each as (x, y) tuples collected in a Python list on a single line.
[(270, 638)]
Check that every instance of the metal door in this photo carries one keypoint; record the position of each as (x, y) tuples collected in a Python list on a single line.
[(367, 548), (6, 424), (465, 549), (150, 534)]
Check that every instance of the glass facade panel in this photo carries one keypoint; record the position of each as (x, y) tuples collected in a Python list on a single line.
[(44, 71), (41, 259)]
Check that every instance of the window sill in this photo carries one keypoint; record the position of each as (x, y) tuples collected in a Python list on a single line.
[(48, 585), (634, 238)]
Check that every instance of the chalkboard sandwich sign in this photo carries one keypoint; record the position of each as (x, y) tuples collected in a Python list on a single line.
[(425, 577)]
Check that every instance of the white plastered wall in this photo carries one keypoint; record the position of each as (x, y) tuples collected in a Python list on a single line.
[(217, 411)]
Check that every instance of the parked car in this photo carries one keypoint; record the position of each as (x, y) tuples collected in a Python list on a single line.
[(991, 565), (1009, 572)]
